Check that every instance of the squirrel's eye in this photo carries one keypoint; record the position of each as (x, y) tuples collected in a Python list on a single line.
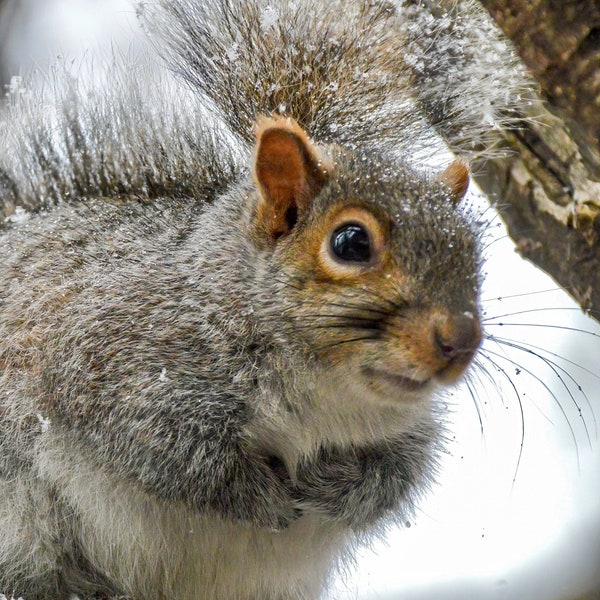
[(351, 243)]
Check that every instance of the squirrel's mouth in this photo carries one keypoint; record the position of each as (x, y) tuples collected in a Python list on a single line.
[(395, 380)]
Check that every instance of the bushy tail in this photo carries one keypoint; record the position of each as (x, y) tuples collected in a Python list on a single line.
[(378, 72), (366, 71), (129, 131)]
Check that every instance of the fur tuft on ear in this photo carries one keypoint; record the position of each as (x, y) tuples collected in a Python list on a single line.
[(456, 178), (288, 171)]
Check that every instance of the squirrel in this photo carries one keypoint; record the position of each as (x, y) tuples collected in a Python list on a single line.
[(229, 296)]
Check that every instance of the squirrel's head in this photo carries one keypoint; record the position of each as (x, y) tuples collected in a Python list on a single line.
[(376, 265)]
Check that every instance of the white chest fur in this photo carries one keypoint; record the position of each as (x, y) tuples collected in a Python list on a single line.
[(167, 552)]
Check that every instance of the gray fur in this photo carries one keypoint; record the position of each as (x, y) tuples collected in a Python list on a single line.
[(171, 426), (381, 72)]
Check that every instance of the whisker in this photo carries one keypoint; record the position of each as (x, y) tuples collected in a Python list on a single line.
[(381, 313), (367, 307), (494, 382), (481, 370), (545, 326), (522, 295), (556, 355), (555, 367), (289, 284), (340, 317), (538, 310), (364, 338), (521, 412), (544, 385), (365, 327), (476, 404), (359, 307)]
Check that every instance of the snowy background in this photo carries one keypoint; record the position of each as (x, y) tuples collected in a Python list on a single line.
[(507, 520)]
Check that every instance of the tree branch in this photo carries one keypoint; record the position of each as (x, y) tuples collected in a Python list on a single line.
[(549, 185)]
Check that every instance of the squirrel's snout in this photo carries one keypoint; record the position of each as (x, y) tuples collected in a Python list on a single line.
[(430, 343), (456, 340), (459, 335)]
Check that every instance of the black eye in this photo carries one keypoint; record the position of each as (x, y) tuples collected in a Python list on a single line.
[(351, 243)]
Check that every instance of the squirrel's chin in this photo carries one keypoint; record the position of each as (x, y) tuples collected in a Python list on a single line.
[(455, 370), (386, 381)]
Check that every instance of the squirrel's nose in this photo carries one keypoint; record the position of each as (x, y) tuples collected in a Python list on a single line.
[(458, 337)]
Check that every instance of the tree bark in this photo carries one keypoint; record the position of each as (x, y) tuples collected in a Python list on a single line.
[(548, 187)]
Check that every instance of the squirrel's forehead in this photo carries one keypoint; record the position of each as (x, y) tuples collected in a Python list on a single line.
[(403, 199), (393, 185)]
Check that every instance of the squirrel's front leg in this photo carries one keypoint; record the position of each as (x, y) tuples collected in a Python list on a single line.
[(358, 486), (254, 493)]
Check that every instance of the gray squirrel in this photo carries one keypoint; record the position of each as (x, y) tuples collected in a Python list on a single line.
[(229, 295)]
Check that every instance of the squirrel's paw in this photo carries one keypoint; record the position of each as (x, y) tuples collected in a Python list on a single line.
[(260, 496)]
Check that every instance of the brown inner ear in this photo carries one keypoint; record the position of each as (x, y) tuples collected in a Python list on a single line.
[(456, 178), (288, 174)]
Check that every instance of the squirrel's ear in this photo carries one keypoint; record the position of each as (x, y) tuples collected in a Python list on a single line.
[(288, 172), (456, 178)]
